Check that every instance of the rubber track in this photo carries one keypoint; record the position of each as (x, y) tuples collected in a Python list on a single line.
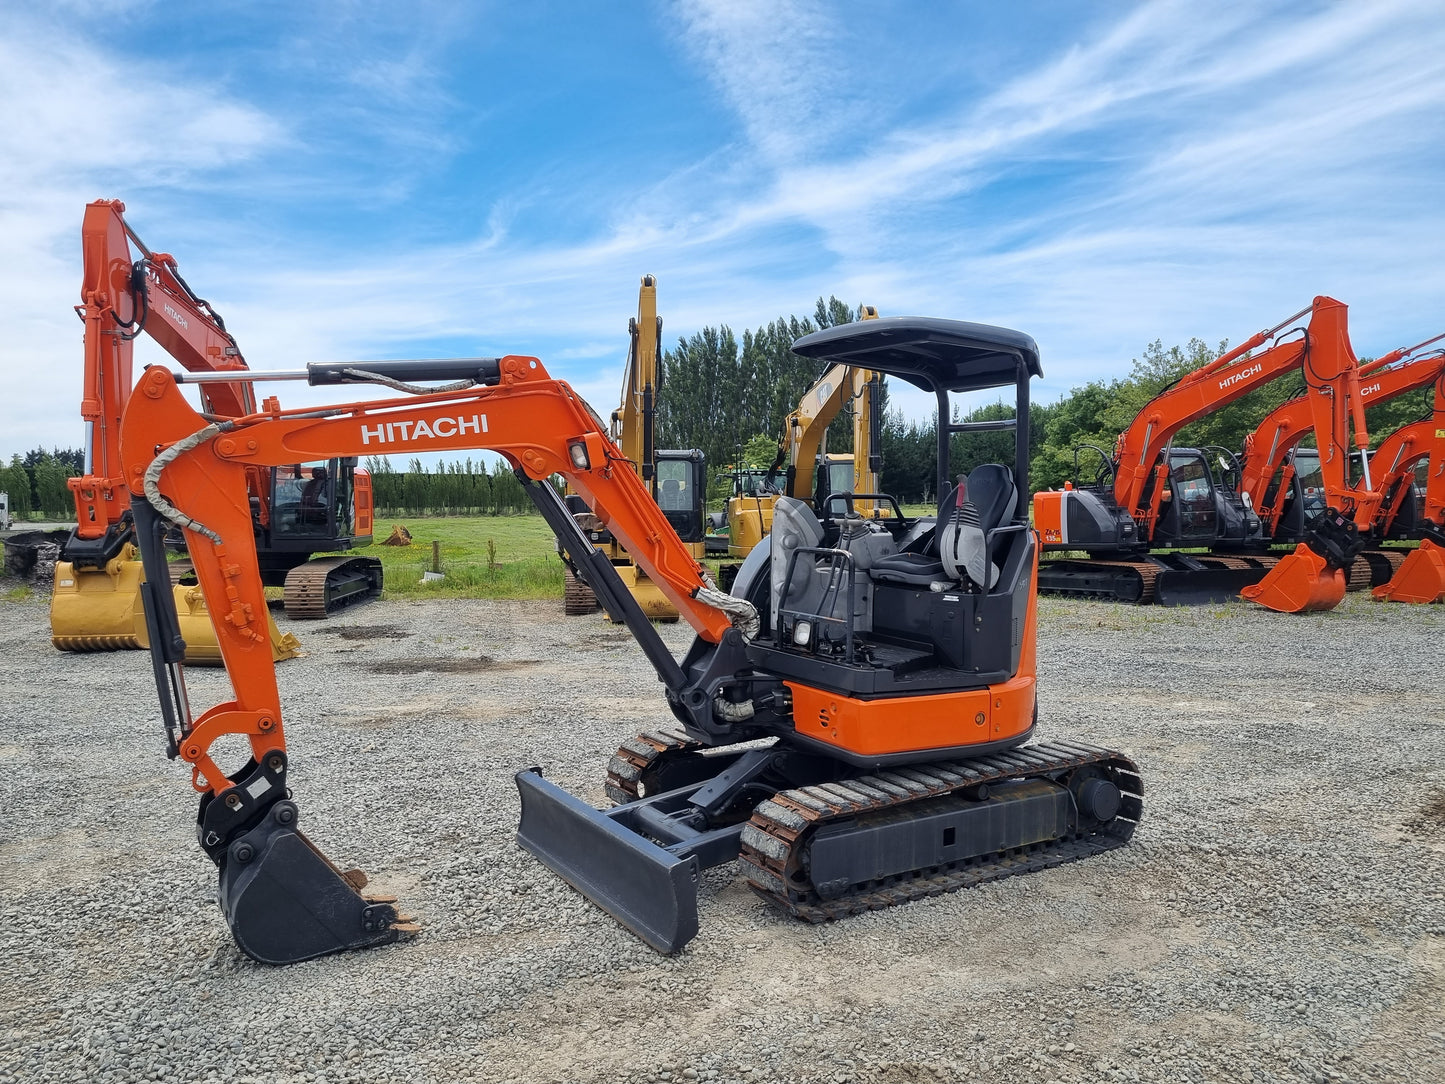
[(636, 755), (1370, 560), (305, 592), (774, 840), (1360, 576)]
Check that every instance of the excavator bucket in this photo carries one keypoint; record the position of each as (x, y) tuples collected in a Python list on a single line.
[(648, 889), (98, 609), (1421, 579), (1300, 583), (285, 902), (202, 648)]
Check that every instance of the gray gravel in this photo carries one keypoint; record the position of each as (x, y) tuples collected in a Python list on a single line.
[(1280, 915)]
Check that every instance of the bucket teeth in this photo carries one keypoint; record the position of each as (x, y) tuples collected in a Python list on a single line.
[(286, 902)]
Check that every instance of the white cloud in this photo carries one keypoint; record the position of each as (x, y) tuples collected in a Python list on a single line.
[(1177, 173)]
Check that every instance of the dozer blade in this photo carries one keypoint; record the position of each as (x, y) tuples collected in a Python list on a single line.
[(98, 609), (649, 890), (1421, 579), (1300, 583), (202, 647), (285, 902)]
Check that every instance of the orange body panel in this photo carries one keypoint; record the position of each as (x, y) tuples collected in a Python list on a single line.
[(361, 527), (1049, 516), (909, 724), (912, 724)]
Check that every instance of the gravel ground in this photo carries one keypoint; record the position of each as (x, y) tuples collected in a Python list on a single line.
[(1279, 916)]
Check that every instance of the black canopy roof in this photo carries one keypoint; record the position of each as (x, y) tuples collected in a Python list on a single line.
[(931, 353)]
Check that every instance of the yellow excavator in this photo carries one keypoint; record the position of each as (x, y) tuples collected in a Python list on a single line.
[(677, 478), (836, 482)]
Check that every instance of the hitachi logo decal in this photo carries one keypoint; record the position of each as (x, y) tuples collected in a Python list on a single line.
[(1243, 374), (1370, 390), (177, 317), (387, 432)]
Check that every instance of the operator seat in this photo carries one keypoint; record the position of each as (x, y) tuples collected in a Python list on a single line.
[(990, 489)]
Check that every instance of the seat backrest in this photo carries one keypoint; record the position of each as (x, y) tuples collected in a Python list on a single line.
[(794, 526), (928, 546), (991, 490)]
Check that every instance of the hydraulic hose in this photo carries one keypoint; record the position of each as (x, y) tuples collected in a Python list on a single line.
[(151, 482)]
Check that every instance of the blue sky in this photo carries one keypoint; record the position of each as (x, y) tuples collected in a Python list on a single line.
[(365, 180)]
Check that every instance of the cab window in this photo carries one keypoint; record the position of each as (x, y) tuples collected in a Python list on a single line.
[(674, 485)]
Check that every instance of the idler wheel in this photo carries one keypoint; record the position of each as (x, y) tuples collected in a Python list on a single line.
[(1097, 798)]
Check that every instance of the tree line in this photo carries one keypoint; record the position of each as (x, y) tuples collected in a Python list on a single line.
[(36, 481), (730, 396), (460, 488)]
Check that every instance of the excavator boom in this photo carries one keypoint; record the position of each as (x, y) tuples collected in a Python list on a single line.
[(1267, 448), (95, 604), (283, 899), (1147, 509)]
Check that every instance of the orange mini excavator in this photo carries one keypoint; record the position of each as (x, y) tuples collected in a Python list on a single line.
[(1421, 578), (851, 723), (1153, 502)]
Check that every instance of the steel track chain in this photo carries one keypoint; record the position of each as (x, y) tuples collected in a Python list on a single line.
[(1148, 572), (306, 587), (636, 755), (774, 840)]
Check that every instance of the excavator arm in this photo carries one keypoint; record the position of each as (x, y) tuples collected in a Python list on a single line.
[(1332, 388), (121, 297), (634, 421), (283, 899), (1267, 448), (805, 426), (1421, 579)]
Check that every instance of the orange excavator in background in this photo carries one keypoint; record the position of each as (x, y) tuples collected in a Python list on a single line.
[(1151, 500), (1281, 480), (889, 663), (298, 509), (1421, 578)]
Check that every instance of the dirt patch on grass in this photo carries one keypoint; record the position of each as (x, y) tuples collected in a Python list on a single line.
[(449, 666)]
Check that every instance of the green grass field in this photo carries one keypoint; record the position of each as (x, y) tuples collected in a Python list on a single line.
[(481, 556), (522, 563)]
